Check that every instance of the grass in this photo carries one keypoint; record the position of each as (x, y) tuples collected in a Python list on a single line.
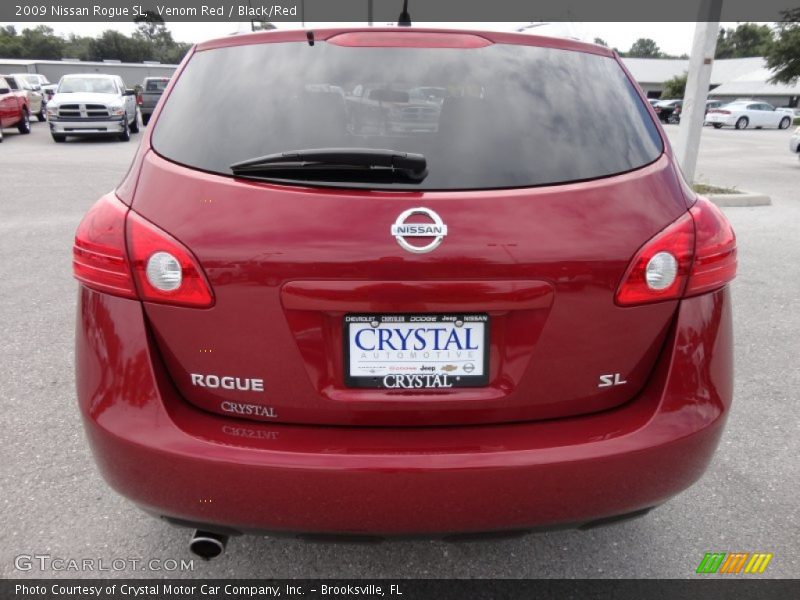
[(797, 120), (705, 188)]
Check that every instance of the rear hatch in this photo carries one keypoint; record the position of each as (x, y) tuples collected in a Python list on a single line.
[(532, 207)]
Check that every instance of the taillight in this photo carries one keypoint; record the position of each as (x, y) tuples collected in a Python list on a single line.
[(720, 112), (164, 269), (715, 249), (98, 256), (139, 99), (120, 253), (648, 276), (693, 255)]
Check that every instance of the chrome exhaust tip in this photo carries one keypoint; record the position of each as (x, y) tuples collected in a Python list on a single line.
[(207, 545)]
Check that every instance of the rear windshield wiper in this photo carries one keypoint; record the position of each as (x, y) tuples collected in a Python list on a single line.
[(336, 164)]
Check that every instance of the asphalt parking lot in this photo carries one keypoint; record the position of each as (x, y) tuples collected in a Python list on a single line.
[(55, 502)]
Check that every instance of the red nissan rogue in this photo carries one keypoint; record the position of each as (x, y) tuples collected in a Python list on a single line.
[(402, 282)]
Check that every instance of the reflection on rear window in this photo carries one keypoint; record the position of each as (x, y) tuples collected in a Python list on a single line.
[(491, 117)]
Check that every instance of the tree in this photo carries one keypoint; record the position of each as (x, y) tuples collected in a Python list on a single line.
[(41, 42), (600, 41), (117, 46), (783, 57), (10, 44), (151, 29), (644, 48), (78, 46), (675, 87), (151, 41), (748, 39)]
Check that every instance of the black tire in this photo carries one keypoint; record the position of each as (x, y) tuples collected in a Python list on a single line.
[(1, 135), (785, 122), (135, 124), (42, 114), (24, 126), (717, 125), (125, 136), (742, 122), (59, 137), (145, 119)]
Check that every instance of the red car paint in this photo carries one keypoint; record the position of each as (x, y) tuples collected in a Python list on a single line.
[(551, 265)]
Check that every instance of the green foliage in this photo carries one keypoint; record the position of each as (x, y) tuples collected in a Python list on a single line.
[(748, 39), (151, 41), (152, 30), (40, 41), (600, 41), (645, 48), (783, 56), (675, 87)]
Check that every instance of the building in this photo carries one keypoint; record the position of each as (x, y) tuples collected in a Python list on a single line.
[(731, 78), (131, 73)]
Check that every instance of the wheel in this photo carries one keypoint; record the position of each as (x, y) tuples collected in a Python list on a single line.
[(1, 134), (135, 124), (145, 119), (59, 137), (717, 125), (24, 125), (125, 136), (785, 122), (42, 114), (741, 123)]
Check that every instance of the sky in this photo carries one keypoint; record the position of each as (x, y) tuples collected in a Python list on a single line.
[(672, 38)]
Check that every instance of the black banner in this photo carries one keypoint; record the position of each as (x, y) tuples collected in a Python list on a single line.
[(383, 12), (403, 589)]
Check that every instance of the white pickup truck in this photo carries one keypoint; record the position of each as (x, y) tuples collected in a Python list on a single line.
[(92, 104)]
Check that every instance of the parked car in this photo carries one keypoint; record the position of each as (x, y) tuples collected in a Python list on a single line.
[(794, 142), (152, 89), (35, 98), (92, 104), (14, 108), (712, 104), (653, 101), (40, 83), (669, 110), (520, 319), (744, 114)]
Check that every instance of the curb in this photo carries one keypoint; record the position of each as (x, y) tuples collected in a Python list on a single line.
[(743, 199)]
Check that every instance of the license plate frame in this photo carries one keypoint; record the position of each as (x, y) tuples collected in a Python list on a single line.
[(453, 375)]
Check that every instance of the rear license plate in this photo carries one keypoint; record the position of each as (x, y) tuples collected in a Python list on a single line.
[(418, 351)]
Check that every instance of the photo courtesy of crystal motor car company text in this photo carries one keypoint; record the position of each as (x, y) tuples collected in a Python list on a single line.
[(415, 297)]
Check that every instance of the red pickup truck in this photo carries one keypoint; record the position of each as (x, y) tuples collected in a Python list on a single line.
[(14, 109)]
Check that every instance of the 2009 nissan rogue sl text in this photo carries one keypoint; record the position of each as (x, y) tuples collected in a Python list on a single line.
[(417, 286)]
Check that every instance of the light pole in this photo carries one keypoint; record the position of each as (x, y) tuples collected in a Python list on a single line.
[(697, 82)]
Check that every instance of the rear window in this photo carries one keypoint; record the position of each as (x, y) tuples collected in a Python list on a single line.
[(155, 85), (493, 117)]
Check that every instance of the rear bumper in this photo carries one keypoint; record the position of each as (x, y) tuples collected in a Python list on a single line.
[(175, 460), (712, 118)]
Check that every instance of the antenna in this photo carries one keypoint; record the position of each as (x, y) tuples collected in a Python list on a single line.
[(405, 19)]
